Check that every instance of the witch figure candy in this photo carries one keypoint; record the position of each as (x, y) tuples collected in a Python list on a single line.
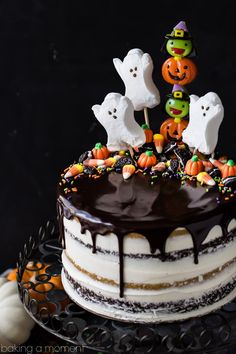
[(177, 107), (179, 43), (178, 69), (177, 104)]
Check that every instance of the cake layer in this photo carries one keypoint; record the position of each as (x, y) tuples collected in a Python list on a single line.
[(179, 239), (169, 306), (147, 272)]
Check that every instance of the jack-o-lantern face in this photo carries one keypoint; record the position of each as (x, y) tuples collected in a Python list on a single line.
[(179, 71), (173, 128)]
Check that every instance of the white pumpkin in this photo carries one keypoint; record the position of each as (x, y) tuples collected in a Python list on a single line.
[(15, 323)]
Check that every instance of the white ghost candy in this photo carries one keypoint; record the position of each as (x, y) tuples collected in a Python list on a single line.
[(136, 72), (205, 116), (116, 114)]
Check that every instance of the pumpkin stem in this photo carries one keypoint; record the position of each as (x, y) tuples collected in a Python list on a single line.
[(177, 120), (230, 163), (98, 146), (195, 158), (145, 126), (149, 153)]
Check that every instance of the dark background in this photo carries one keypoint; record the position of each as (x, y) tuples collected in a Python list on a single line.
[(56, 62)]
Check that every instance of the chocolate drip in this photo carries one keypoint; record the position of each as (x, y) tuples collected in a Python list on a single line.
[(60, 215), (94, 240), (199, 232), (121, 262), (111, 204), (157, 239)]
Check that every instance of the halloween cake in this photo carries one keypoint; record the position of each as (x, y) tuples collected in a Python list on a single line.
[(148, 220)]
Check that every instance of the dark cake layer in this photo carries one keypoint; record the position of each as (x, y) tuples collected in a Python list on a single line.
[(180, 306)]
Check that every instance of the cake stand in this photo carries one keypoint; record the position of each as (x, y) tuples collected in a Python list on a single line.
[(45, 300)]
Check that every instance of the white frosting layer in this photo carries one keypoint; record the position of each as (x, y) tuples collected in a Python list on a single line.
[(179, 239), (145, 270), (142, 270), (152, 316)]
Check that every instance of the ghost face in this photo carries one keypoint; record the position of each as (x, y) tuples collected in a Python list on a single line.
[(113, 111), (205, 116), (179, 47), (136, 72), (132, 67), (177, 108), (116, 114)]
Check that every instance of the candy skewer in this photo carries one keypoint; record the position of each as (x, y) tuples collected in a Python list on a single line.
[(146, 117)]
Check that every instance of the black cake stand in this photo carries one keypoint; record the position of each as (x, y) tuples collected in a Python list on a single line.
[(48, 304)]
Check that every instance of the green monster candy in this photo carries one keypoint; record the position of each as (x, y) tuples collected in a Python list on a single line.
[(179, 47), (177, 108), (177, 105), (179, 42)]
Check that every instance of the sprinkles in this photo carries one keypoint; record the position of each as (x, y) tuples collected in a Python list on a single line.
[(173, 158)]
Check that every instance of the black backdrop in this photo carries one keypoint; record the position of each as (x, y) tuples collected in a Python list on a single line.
[(56, 62)]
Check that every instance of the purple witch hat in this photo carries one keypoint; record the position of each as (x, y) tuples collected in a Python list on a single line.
[(180, 31), (179, 93)]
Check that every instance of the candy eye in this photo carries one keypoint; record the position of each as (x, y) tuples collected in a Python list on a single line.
[(183, 106), (202, 107), (186, 44), (109, 112), (114, 110), (131, 70), (185, 66), (171, 43), (135, 68), (207, 108), (168, 66)]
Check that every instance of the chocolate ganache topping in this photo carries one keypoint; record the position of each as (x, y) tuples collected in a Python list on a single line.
[(150, 203)]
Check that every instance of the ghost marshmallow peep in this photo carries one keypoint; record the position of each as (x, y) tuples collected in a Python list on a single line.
[(116, 114)]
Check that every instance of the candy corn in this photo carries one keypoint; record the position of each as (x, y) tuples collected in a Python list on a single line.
[(204, 177), (159, 142), (94, 162), (216, 163), (117, 157), (161, 166), (74, 170), (207, 165), (128, 170), (110, 161), (223, 159)]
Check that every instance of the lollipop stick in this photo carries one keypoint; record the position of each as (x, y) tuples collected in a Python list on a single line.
[(131, 151), (146, 116)]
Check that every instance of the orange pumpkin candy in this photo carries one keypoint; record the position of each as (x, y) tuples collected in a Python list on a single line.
[(179, 71), (148, 133), (194, 166), (228, 169), (147, 159), (172, 129), (100, 151)]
